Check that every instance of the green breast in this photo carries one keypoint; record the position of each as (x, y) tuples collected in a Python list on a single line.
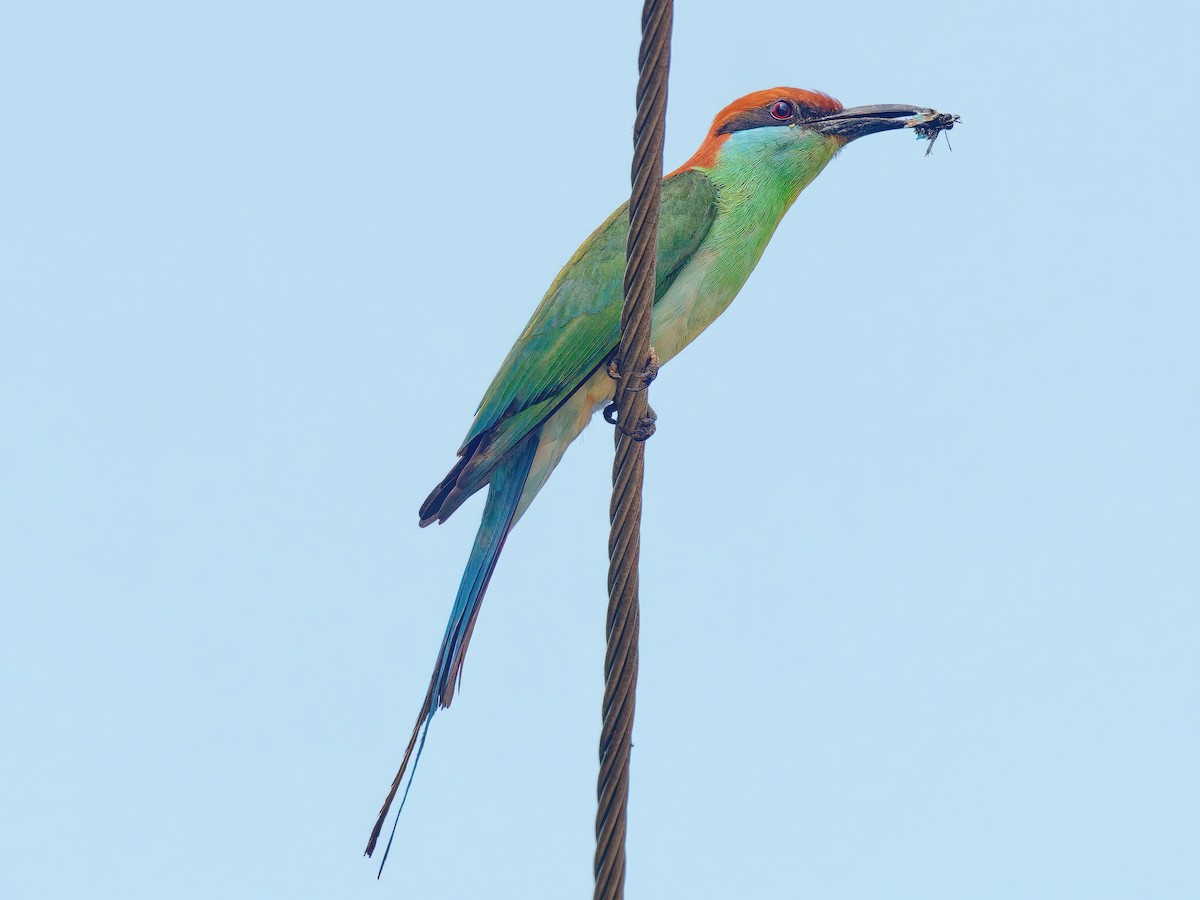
[(758, 175)]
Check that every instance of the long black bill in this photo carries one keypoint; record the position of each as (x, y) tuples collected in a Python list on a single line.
[(863, 120)]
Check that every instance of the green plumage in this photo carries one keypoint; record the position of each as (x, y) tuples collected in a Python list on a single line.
[(578, 322), (571, 334), (717, 215)]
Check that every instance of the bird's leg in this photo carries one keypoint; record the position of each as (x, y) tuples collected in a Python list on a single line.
[(646, 376), (645, 427), (651, 371)]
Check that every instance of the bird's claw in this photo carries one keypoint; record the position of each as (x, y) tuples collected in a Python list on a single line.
[(645, 427), (646, 376), (651, 370)]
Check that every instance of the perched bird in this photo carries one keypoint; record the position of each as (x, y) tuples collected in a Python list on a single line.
[(718, 211)]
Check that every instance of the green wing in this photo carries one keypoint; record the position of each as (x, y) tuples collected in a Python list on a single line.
[(573, 331), (578, 322)]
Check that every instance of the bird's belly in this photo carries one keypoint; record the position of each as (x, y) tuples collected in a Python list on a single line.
[(561, 429), (690, 305)]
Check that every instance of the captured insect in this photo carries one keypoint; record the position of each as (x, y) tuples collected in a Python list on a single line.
[(933, 126)]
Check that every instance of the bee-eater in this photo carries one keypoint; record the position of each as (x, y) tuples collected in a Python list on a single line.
[(718, 211)]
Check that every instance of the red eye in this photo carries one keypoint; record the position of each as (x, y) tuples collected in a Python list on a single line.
[(781, 110)]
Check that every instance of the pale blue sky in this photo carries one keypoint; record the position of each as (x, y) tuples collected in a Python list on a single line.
[(921, 566)]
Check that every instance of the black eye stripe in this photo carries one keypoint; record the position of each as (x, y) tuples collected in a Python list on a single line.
[(764, 116)]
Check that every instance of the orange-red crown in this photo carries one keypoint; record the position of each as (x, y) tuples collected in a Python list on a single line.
[(808, 103)]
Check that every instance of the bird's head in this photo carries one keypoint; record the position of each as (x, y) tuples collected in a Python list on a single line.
[(798, 126)]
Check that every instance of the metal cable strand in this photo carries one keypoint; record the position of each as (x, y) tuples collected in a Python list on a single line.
[(633, 410)]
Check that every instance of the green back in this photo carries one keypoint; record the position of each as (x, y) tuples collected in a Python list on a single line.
[(577, 324)]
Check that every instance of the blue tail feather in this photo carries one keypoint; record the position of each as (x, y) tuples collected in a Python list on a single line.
[(504, 495), (507, 484)]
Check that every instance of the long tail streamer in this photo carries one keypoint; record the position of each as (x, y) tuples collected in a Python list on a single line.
[(504, 495)]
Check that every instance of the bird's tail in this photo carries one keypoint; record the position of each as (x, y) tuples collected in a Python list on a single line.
[(504, 494)]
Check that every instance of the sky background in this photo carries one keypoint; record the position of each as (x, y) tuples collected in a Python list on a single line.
[(920, 561)]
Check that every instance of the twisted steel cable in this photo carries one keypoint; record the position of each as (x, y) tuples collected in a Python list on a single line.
[(635, 423)]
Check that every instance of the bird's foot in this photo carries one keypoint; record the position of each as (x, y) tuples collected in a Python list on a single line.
[(646, 376), (652, 366), (645, 427), (642, 431)]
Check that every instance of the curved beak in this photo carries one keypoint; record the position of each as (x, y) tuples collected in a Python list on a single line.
[(863, 120)]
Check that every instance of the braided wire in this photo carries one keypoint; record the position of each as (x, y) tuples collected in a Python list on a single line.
[(625, 510)]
